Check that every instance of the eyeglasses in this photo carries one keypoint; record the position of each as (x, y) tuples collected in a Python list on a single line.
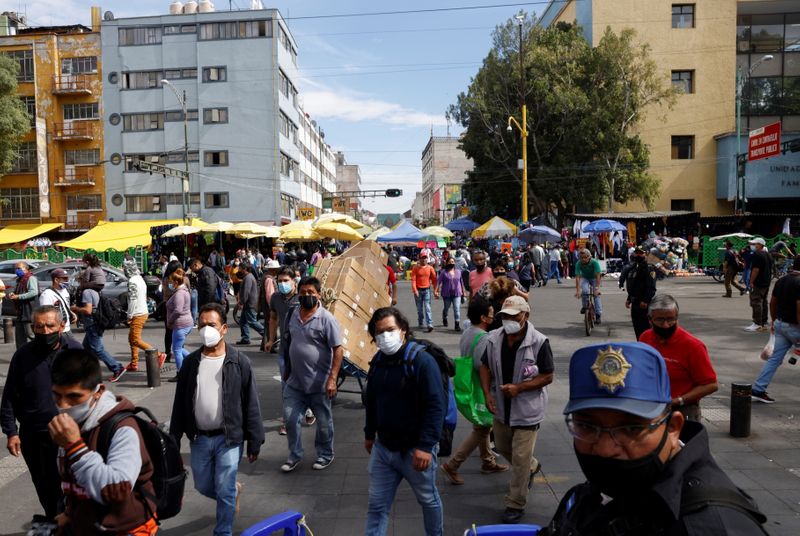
[(661, 321), (623, 436)]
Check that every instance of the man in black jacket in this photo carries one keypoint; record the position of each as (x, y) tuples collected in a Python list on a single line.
[(28, 399), (648, 470), (216, 406), (206, 282), (639, 278)]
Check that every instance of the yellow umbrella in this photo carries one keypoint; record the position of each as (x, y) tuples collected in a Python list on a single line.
[(339, 231), (181, 230), (299, 235), (438, 231), (298, 224), (494, 228), (378, 232), (217, 227), (338, 218), (365, 230)]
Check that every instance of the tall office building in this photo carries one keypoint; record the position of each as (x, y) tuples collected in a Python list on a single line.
[(444, 169)]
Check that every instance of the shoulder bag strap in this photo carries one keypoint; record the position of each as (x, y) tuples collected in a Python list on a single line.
[(475, 341)]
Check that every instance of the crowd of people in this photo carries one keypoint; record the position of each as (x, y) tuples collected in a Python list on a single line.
[(633, 406)]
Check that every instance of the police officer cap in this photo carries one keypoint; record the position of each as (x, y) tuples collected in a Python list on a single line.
[(628, 376)]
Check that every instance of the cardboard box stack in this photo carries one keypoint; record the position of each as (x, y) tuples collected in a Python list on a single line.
[(357, 281)]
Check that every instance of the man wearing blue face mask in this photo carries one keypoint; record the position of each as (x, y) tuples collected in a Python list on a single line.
[(648, 470), (279, 305), (24, 298)]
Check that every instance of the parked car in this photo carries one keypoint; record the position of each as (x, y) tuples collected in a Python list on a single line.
[(116, 283), (7, 270)]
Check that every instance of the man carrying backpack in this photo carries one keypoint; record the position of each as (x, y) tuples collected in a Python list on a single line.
[(405, 405), (515, 372), (93, 338), (104, 494)]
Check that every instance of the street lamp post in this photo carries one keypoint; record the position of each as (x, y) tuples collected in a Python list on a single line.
[(523, 128), (185, 180), (740, 82)]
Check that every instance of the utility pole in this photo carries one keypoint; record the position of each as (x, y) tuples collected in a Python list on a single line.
[(185, 177), (523, 128)]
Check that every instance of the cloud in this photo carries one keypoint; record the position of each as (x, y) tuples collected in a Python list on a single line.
[(327, 104)]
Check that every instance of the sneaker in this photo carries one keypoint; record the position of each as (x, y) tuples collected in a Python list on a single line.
[(242, 343), (310, 418), (117, 375), (742, 291), (452, 475), (282, 430), (322, 463), (444, 322), (132, 368), (583, 310), (458, 327), (727, 296), (162, 358), (762, 396), (238, 494), (512, 516), (597, 320), (752, 327), (289, 466), (487, 469), (429, 329)]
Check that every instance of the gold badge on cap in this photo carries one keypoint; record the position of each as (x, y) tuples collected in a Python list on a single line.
[(610, 368)]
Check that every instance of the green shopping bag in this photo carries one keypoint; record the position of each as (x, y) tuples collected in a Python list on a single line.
[(470, 401)]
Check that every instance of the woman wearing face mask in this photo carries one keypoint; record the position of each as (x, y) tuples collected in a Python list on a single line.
[(450, 286), (179, 315)]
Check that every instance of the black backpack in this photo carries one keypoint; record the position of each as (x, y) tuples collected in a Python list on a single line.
[(169, 474), (108, 313)]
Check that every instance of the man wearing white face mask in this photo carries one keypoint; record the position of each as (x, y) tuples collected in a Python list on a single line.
[(216, 406), (515, 370)]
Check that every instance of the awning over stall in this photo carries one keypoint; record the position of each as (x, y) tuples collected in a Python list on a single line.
[(121, 235), (12, 234)]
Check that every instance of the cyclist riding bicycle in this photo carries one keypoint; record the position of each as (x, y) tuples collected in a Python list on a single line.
[(587, 279)]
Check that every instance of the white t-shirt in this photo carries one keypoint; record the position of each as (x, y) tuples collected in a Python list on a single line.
[(49, 297), (208, 396), (555, 255)]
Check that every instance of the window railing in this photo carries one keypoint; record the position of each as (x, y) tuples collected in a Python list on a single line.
[(77, 222), (75, 176), (72, 83), (73, 130)]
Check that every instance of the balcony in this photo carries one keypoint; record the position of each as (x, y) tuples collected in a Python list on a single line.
[(77, 222), (73, 130), (75, 176), (72, 84)]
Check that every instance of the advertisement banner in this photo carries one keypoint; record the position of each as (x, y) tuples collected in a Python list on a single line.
[(764, 142), (41, 168), (452, 194)]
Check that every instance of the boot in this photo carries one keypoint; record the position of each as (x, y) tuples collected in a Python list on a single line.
[(444, 321), (458, 326)]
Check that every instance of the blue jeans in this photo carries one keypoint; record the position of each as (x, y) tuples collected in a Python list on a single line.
[(214, 467), (386, 470), (295, 404), (423, 300), (193, 295), (249, 320), (178, 340), (786, 335), (746, 278), (456, 303), (554, 269), (588, 286), (93, 342)]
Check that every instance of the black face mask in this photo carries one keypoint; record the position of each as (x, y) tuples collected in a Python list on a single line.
[(480, 267), (665, 333), (46, 340), (450, 266), (620, 478), (308, 302), (498, 274)]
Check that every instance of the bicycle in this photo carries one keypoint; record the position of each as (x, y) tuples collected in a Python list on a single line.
[(589, 315)]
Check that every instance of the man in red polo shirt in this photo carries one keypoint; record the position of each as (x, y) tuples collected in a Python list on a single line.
[(691, 374)]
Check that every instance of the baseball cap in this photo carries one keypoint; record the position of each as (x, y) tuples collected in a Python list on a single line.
[(758, 240), (515, 305), (627, 376), (423, 256), (59, 273), (273, 265)]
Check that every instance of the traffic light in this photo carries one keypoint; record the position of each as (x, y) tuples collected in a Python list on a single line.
[(794, 146), (394, 192), (741, 163)]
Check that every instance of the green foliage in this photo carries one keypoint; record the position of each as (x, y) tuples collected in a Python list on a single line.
[(14, 118), (583, 105)]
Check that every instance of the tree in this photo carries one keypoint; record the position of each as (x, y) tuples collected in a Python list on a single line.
[(14, 118), (582, 144)]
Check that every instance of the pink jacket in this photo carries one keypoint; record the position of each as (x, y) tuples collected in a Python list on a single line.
[(179, 313)]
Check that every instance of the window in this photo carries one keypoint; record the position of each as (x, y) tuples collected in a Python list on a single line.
[(215, 74), (142, 122), (215, 158), (82, 157), (766, 33), (682, 204), (189, 28), (177, 199), (235, 30), (683, 80), (284, 83), (139, 204), (682, 147), (25, 162), (140, 36), (24, 59), (217, 200), (85, 202), (142, 80), (30, 106), (177, 156), (177, 115), (176, 74), (172, 29), (83, 110), (19, 203), (79, 65), (215, 115), (683, 15)]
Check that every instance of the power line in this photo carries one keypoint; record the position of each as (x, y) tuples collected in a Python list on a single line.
[(419, 11)]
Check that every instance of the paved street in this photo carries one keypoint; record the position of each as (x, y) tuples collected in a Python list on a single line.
[(766, 464)]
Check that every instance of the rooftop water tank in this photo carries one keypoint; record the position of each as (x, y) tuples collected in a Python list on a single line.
[(205, 6), (176, 8), (190, 7)]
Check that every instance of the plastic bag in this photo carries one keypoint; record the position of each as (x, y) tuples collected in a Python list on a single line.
[(766, 353), (469, 396)]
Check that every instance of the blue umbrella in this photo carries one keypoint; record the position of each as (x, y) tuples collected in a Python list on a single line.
[(463, 224), (540, 233), (604, 226), (405, 232)]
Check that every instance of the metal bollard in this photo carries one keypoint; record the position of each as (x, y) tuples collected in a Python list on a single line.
[(8, 331), (740, 409), (153, 370)]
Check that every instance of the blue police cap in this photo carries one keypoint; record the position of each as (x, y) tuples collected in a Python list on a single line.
[(627, 376)]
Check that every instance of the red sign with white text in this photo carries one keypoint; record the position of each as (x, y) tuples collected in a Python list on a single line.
[(764, 142)]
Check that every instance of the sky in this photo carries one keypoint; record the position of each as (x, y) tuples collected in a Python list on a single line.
[(377, 85)]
